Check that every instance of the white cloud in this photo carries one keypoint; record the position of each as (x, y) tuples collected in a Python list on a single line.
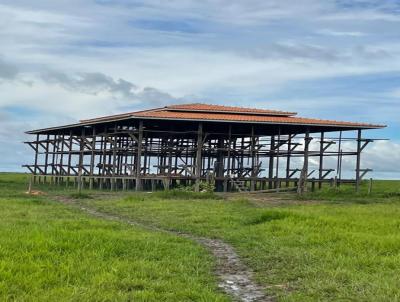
[(96, 58), (330, 32), (365, 15)]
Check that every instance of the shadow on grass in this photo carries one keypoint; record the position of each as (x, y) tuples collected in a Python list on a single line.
[(173, 195), (80, 195), (177, 194), (267, 216)]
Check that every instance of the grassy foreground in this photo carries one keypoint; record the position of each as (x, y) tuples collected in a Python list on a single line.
[(328, 246), (346, 248), (51, 252)]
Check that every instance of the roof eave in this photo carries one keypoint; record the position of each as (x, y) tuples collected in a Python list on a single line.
[(267, 123), (95, 122)]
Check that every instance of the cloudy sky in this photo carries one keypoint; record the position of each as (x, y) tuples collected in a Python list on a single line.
[(65, 60)]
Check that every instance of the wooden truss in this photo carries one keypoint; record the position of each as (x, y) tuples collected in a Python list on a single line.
[(143, 156)]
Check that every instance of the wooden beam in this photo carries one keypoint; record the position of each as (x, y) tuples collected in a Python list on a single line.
[(92, 158), (271, 162), (321, 159), (199, 148), (139, 158), (358, 161), (36, 154), (302, 186)]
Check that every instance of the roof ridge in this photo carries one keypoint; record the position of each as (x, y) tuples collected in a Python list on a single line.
[(234, 109)]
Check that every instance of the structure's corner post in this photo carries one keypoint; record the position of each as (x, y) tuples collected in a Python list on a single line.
[(139, 158), (302, 185), (358, 161), (35, 169), (199, 147)]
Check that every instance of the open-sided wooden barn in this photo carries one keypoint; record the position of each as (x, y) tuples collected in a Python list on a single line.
[(236, 148)]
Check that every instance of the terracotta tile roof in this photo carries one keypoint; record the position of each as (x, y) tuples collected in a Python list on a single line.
[(227, 113), (198, 107), (249, 118), (219, 108), (116, 116)]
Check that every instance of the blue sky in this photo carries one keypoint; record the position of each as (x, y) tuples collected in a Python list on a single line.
[(65, 60)]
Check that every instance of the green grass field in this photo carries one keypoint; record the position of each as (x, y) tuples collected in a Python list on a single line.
[(51, 252), (327, 246)]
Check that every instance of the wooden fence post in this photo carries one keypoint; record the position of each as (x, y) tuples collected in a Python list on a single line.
[(370, 186)]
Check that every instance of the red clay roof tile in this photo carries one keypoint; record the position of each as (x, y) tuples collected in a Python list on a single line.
[(220, 108), (249, 118), (199, 111)]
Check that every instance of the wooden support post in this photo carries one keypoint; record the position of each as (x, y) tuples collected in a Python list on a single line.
[(277, 184), (289, 148), (69, 156), (46, 157), (302, 186), (92, 158), (219, 171), (253, 164), (104, 156), (139, 158), (271, 162), (61, 165), (36, 155), (199, 147), (358, 161), (228, 169), (53, 158), (321, 160), (170, 147), (114, 159), (339, 158), (30, 184), (370, 186), (80, 165)]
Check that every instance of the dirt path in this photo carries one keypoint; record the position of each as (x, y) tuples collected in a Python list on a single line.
[(235, 278)]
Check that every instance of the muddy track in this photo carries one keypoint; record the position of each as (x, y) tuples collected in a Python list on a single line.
[(235, 279)]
